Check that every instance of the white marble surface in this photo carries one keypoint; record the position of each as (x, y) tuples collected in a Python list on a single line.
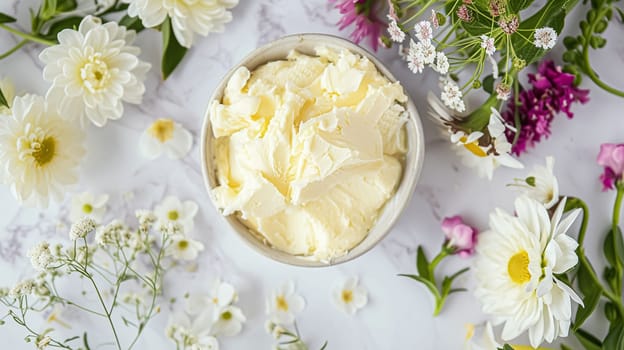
[(399, 313)]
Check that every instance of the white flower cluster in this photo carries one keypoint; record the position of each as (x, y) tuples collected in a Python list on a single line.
[(81, 228), (207, 317), (41, 256), (519, 259), (545, 38)]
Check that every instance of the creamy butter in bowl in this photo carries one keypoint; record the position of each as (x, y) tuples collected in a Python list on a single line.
[(311, 150)]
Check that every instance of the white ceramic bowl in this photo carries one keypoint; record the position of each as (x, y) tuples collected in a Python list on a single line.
[(306, 43)]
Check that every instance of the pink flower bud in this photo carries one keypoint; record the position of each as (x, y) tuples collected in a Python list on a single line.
[(459, 236), (611, 157)]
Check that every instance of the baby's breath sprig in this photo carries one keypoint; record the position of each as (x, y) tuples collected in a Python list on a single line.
[(117, 260)]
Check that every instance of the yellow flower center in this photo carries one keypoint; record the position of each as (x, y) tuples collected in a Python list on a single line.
[(470, 331), (162, 130), (473, 147), (94, 73), (281, 303), (518, 267), (173, 215), (183, 244), (87, 208), (226, 315), (42, 151), (347, 296)]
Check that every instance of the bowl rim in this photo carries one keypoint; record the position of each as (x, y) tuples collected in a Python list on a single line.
[(206, 137)]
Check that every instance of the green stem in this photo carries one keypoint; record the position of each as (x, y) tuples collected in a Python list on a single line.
[(27, 36), (434, 263), (617, 208), (584, 223), (14, 49)]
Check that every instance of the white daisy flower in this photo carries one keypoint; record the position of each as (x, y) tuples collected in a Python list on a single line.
[(515, 267), (192, 332), (284, 304), (187, 17), (41, 256), (165, 136), (184, 248), (350, 297), (8, 92), (89, 205), (442, 63), (487, 43), (40, 151), (173, 211), (93, 70), (541, 184), (545, 38), (228, 322), (423, 32), (485, 159), (486, 340), (452, 96), (396, 34)]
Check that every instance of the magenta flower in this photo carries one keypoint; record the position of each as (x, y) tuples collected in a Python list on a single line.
[(552, 92), (611, 157), (362, 14), (459, 236)]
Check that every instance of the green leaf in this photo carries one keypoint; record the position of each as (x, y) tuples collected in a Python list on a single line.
[(324, 346), (621, 13), (173, 52), (59, 26), (590, 290), (48, 10), (551, 15), (432, 288), (488, 84), (66, 5), (516, 6), (422, 264), (615, 338), (3, 101), (588, 341), (85, 342), (565, 347), (613, 251), (71, 339), (481, 20), (133, 23), (4, 18)]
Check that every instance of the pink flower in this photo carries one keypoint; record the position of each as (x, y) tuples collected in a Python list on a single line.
[(611, 157), (459, 236), (362, 14)]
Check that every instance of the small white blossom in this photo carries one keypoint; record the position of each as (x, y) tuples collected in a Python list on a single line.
[(192, 333), (349, 297), (503, 91), (228, 322), (173, 210), (452, 96), (487, 43), (415, 57), (442, 63), (81, 228), (434, 19), (88, 205), (41, 256), (24, 287), (396, 34), (165, 136), (284, 304), (545, 38), (541, 184), (184, 248), (109, 234), (423, 32), (428, 53)]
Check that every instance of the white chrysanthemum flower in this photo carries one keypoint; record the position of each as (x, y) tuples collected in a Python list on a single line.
[(8, 91), (192, 333), (284, 304), (188, 17), (545, 38), (423, 32), (442, 63), (541, 184), (487, 43), (452, 95), (396, 34), (165, 136), (485, 159), (39, 151), (228, 322), (515, 267), (486, 341), (349, 296), (87, 204), (93, 70), (173, 211), (184, 248), (41, 256)]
